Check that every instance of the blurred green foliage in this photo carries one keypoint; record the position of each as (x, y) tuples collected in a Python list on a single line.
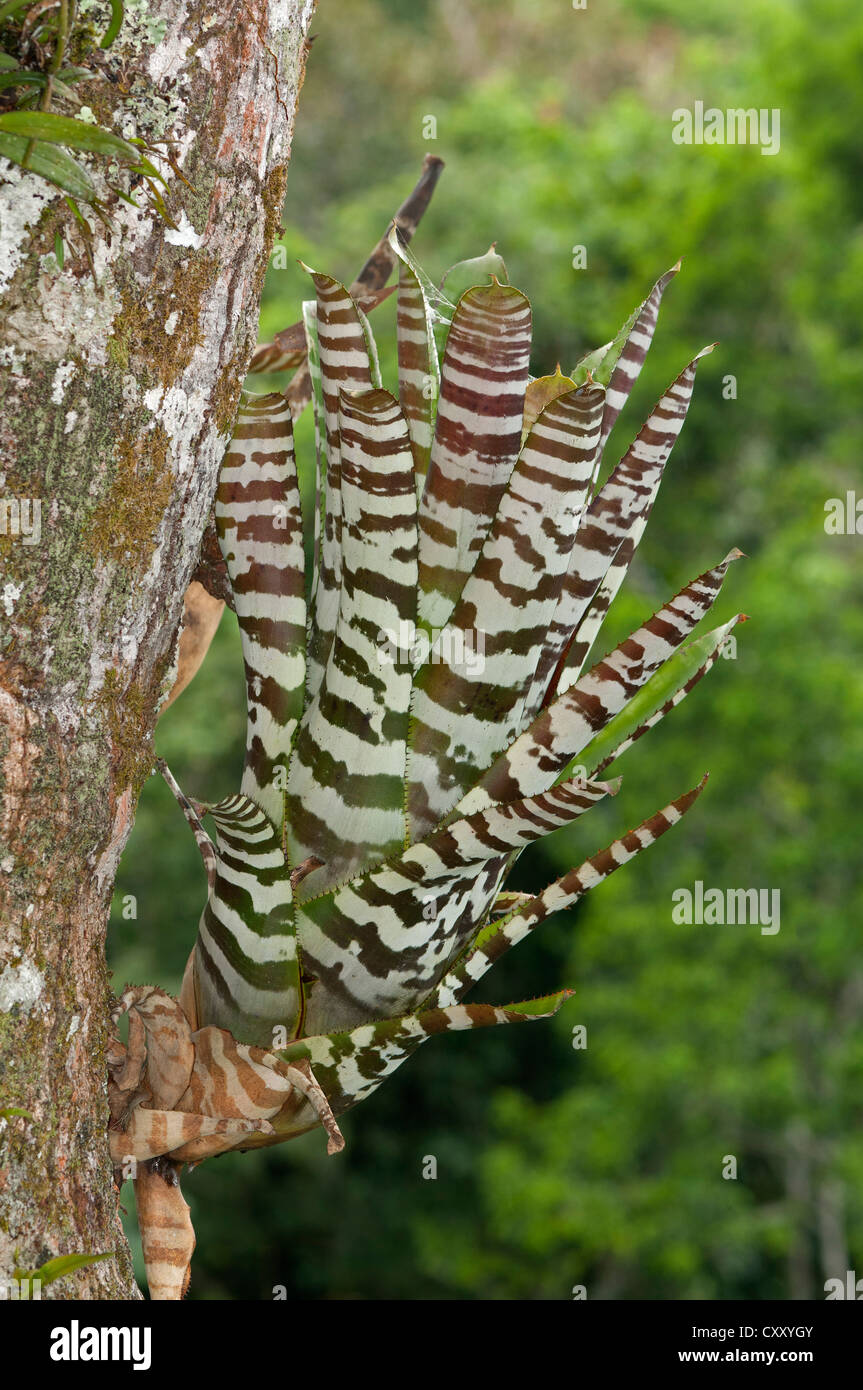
[(603, 1166)]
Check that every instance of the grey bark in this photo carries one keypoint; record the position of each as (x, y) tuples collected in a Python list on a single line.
[(117, 400)]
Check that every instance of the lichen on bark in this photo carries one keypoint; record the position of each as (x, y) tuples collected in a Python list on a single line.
[(116, 399)]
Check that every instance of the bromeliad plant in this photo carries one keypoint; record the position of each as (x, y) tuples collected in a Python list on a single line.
[(356, 881)]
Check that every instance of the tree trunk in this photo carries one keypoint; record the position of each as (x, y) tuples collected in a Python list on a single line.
[(117, 400)]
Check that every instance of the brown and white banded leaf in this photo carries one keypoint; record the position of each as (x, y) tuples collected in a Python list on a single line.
[(260, 528), (469, 695), (477, 435), (343, 348), (566, 726), (628, 351), (351, 1065), (246, 966), (610, 532), (345, 799), (419, 372), (497, 937)]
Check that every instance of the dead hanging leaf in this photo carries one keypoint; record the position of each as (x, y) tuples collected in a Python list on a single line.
[(128, 1075), (201, 615), (288, 348), (165, 1224), (152, 1133), (299, 392), (187, 1000), (379, 265), (170, 1054)]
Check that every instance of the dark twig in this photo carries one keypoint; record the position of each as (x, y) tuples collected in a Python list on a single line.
[(367, 289)]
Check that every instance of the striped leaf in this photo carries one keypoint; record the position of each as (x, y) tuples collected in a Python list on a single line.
[(662, 693), (377, 945), (560, 732), (622, 364), (345, 801), (260, 528), (470, 692), (351, 1065), (476, 441), (344, 365), (497, 937), (419, 373), (152, 1133), (288, 348), (612, 528), (505, 827), (272, 357), (247, 973), (313, 362)]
